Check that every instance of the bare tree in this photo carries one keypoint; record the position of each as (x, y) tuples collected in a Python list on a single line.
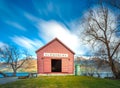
[(14, 56), (101, 30)]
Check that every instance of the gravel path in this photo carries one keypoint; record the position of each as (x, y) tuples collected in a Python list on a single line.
[(8, 79)]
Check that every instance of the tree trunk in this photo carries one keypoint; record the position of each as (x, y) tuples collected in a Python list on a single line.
[(115, 73), (111, 62), (14, 72), (118, 75)]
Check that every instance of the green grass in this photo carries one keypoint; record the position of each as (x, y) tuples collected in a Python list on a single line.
[(63, 82)]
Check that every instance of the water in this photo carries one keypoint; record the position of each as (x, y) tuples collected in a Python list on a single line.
[(18, 74), (103, 74)]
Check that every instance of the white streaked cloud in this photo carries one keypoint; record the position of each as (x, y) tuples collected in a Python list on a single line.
[(31, 18), (51, 29), (27, 43), (16, 25)]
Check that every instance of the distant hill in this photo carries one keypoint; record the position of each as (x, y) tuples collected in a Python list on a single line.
[(97, 63), (28, 66)]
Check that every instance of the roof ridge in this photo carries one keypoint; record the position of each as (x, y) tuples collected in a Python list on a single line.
[(52, 41)]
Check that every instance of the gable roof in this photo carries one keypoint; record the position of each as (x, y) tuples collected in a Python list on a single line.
[(55, 39)]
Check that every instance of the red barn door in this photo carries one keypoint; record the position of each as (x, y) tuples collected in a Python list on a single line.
[(64, 65), (47, 65)]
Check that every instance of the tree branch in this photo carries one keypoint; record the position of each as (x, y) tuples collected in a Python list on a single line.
[(98, 24), (115, 49)]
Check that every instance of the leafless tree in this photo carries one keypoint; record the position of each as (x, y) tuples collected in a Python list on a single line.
[(102, 31), (14, 56)]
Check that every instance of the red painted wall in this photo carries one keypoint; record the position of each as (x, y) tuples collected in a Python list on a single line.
[(44, 63)]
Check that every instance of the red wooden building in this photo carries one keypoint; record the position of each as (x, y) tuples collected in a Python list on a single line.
[(55, 57)]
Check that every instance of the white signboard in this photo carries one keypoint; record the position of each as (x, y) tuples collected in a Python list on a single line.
[(55, 55)]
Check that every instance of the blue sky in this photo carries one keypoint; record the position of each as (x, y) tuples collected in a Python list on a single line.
[(30, 24)]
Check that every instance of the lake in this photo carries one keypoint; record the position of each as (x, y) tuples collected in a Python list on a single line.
[(18, 74), (102, 74)]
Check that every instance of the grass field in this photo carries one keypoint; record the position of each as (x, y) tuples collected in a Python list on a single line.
[(63, 82)]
